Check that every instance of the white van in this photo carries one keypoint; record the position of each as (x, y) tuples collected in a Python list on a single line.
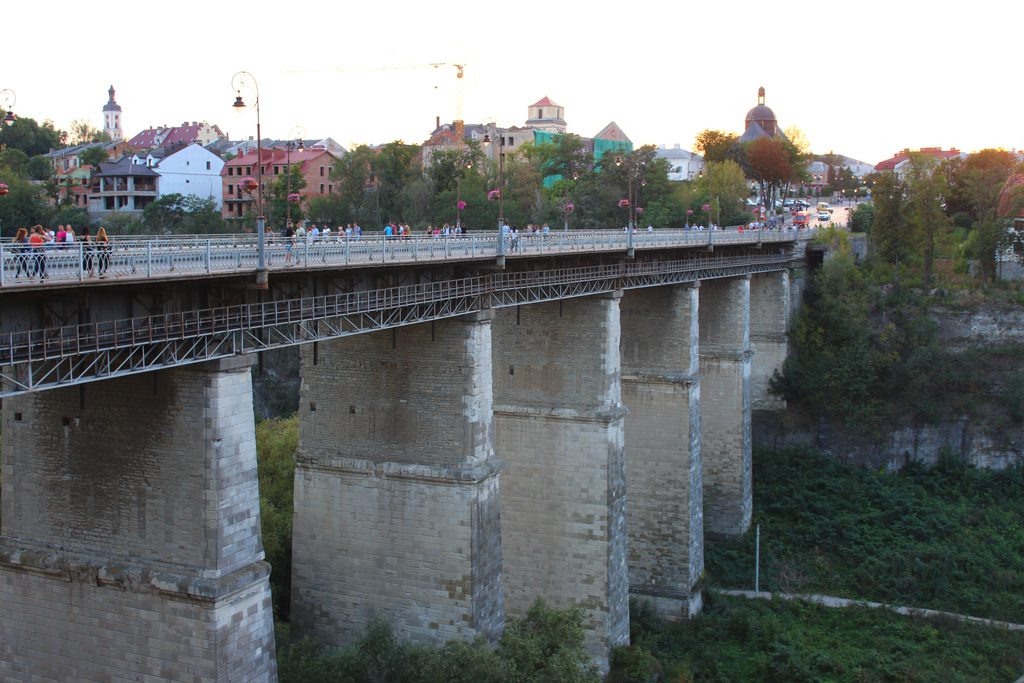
[(824, 206)]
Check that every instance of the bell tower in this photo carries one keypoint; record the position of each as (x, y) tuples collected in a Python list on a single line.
[(112, 118)]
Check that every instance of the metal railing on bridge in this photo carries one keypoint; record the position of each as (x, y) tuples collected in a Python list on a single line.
[(202, 256)]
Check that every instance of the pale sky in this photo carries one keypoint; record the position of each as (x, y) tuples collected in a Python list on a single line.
[(863, 79)]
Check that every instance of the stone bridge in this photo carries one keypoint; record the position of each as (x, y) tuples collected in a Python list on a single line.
[(567, 425)]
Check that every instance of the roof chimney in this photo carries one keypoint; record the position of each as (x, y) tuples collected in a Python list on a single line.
[(437, 122)]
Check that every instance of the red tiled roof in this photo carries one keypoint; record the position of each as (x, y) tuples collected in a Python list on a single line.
[(546, 102), (278, 156), (934, 152)]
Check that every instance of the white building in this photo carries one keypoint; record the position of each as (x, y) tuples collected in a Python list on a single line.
[(682, 164), (193, 170)]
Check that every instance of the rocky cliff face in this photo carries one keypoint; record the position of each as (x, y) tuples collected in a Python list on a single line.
[(975, 443), (983, 440), (275, 383)]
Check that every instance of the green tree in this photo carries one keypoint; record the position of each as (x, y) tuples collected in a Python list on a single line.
[(30, 137), (394, 166), (83, 132), (24, 205), (725, 187), (14, 160), (38, 168), (715, 145), (890, 239), (974, 185), (278, 206), (183, 215), (94, 156), (546, 646), (771, 164), (926, 189), (355, 197)]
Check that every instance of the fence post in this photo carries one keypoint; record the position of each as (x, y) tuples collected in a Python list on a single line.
[(149, 258), (207, 256), (3, 263), (81, 260)]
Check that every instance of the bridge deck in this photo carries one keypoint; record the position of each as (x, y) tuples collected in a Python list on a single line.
[(176, 258)]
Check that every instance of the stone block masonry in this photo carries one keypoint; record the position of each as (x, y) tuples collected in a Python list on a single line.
[(661, 389), (559, 426), (130, 547), (725, 359), (769, 323), (396, 486)]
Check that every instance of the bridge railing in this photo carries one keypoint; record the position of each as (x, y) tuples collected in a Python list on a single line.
[(188, 256)]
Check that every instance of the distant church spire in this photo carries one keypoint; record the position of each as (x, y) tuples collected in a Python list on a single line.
[(112, 118), (760, 95)]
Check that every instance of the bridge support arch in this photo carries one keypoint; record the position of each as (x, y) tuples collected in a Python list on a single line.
[(725, 359), (661, 387), (131, 532), (559, 426), (397, 487)]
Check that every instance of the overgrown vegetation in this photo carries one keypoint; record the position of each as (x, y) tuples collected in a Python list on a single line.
[(950, 538), (868, 355), (546, 646), (735, 639), (276, 441)]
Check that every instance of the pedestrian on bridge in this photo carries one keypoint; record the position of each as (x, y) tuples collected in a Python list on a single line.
[(103, 249)]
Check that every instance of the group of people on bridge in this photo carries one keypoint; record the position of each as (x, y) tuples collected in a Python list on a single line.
[(33, 245)]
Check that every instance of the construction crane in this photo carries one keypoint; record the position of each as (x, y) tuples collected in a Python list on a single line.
[(460, 71)]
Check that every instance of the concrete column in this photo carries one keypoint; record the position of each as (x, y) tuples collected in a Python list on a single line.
[(725, 404), (130, 544), (558, 424), (769, 322), (396, 486), (661, 389)]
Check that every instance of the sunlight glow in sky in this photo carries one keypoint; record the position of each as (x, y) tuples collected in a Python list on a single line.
[(862, 79)]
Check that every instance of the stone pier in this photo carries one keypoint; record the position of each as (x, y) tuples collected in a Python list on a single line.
[(396, 486), (661, 388), (130, 545), (725, 358), (769, 323), (559, 426)]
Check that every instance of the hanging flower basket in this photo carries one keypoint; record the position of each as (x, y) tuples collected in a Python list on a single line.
[(248, 184), (639, 209), (461, 204), (4, 189), (689, 212), (706, 207), (493, 195), (623, 203), (570, 207), (295, 197)]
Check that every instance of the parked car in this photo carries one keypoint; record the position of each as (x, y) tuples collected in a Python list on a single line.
[(824, 216), (789, 202)]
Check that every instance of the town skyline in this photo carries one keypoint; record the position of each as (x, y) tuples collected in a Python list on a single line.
[(377, 87)]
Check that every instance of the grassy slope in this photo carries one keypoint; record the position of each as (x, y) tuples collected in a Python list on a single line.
[(949, 539)]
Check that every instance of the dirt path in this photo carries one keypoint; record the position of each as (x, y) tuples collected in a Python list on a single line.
[(833, 601)]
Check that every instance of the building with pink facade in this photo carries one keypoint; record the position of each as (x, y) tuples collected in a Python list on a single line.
[(314, 164)]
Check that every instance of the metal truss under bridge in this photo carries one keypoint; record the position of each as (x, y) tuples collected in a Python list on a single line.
[(49, 358)]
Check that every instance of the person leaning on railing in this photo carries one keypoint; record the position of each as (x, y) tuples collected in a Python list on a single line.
[(103, 248), (21, 253)]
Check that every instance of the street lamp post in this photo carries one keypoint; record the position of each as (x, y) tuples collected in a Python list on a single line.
[(238, 81), (501, 193), (464, 163), (7, 101), (288, 147)]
